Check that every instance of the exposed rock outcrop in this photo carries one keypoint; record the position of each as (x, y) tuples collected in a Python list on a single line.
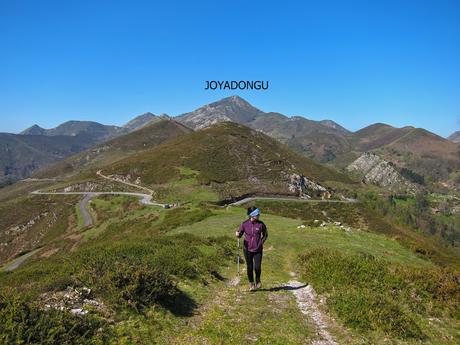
[(306, 188), (378, 171), (77, 301)]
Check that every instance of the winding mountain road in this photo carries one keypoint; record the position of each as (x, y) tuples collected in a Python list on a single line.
[(144, 199)]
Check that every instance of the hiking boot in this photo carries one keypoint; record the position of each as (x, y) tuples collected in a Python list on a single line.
[(258, 285)]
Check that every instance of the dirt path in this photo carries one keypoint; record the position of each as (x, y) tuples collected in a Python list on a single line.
[(306, 300), (276, 314)]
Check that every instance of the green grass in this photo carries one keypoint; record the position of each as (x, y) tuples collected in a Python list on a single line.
[(121, 209), (366, 216), (142, 275)]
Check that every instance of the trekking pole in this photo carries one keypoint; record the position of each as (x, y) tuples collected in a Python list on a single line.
[(238, 261)]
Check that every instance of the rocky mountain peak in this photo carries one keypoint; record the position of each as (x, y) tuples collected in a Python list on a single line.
[(233, 108), (235, 100)]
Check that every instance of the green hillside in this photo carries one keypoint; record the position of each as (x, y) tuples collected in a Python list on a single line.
[(231, 158)]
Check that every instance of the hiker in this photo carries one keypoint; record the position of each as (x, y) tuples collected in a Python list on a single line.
[(255, 234)]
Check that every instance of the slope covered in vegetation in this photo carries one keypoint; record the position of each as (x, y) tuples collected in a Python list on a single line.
[(232, 158)]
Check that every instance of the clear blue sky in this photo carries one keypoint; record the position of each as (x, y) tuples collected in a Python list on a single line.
[(355, 62)]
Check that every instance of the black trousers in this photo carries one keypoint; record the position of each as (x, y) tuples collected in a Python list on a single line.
[(253, 263)]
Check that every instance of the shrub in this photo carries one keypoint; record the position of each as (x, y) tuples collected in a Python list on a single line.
[(225, 246), (22, 322), (127, 276)]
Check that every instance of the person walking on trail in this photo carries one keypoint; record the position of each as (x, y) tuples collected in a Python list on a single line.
[(255, 234)]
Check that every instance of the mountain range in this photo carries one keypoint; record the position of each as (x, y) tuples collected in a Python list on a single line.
[(36, 147), (414, 149), (95, 130)]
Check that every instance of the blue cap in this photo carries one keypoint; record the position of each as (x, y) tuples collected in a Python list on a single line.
[(254, 213)]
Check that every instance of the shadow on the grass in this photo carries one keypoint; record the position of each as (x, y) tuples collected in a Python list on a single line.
[(180, 304), (282, 288)]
